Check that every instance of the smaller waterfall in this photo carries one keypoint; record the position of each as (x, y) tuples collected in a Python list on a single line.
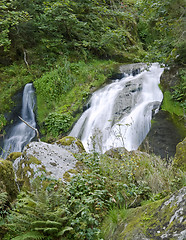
[(20, 134), (120, 113)]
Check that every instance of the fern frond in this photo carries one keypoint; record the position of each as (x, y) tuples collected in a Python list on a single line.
[(62, 220), (38, 224), (51, 231), (53, 224), (66, 229), (34, 235), (3, 199)]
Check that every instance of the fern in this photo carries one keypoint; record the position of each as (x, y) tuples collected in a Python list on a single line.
[(3, 199), (30, 236), (66, 229), (4, 204), (51, 231), (53, 224)]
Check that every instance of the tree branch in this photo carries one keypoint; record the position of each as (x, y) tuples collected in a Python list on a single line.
[(35, 129)]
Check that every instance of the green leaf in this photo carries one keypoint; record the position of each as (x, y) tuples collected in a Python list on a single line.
[(66, 229)]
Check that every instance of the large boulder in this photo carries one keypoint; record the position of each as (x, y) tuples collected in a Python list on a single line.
[(7, 179), (163, 135), (40, 159), (163, 219)]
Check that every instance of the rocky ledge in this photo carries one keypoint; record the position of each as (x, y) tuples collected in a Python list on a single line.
[(163, 219)]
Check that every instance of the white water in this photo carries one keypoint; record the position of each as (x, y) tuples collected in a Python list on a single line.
[(18, 136), (95, 127)]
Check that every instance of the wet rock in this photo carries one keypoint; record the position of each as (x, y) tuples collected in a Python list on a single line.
[(127, 99), (162, 137), (133, 69)]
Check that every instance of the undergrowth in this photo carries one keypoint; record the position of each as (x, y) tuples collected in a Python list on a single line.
[(105, 187), (171, 106)]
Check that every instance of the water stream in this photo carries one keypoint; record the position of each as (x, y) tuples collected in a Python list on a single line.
[(120, 113), (20, 134)]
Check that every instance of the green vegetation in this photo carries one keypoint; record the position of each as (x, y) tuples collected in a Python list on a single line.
[(179, 90), (70, 40), (170, 105), (68, 49), (75, 210)]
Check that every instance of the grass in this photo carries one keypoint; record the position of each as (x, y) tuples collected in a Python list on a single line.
[(12, 79), (171, 106), (114, 217)]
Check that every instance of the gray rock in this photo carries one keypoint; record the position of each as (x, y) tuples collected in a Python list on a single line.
[(133, 69), (127, 99), (39, 158)]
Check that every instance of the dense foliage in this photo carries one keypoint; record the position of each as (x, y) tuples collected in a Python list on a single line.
[(76, 209), (50, 37), (71, 27)]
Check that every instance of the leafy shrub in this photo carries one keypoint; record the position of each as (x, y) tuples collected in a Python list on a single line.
[(57, 123), (55, 83), (179, 91), (2, 121)]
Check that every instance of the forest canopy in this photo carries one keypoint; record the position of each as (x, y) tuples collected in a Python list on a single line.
[(130, 29)]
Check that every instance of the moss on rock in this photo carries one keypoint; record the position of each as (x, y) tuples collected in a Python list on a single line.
[(72, 144), (180, 156), (26, 168), (12, 156), (7, 179), (163, 219)]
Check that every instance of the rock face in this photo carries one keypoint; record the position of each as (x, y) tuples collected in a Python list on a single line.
[(133, 69), (40, 158), (7, 179), (169, 78), (162, 137), (126, 99), (164, 219)]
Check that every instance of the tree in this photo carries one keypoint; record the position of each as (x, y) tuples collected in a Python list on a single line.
[(161, 27), (10, 18)]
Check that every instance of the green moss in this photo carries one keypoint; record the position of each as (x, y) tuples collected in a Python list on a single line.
[(7, 178), (66, 176), (13, 156), (71, 142), (171, 106), (66, 141), (79, 165), (150, 221), (180, 156), (135, 220), (25, 172), (73, 171), (13, 78)]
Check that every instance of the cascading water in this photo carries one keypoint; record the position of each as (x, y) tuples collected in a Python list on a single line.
[(20, 134), (120, 113)]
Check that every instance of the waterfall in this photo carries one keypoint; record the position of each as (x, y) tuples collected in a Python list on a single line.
[(120, 113), (20, 134)]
